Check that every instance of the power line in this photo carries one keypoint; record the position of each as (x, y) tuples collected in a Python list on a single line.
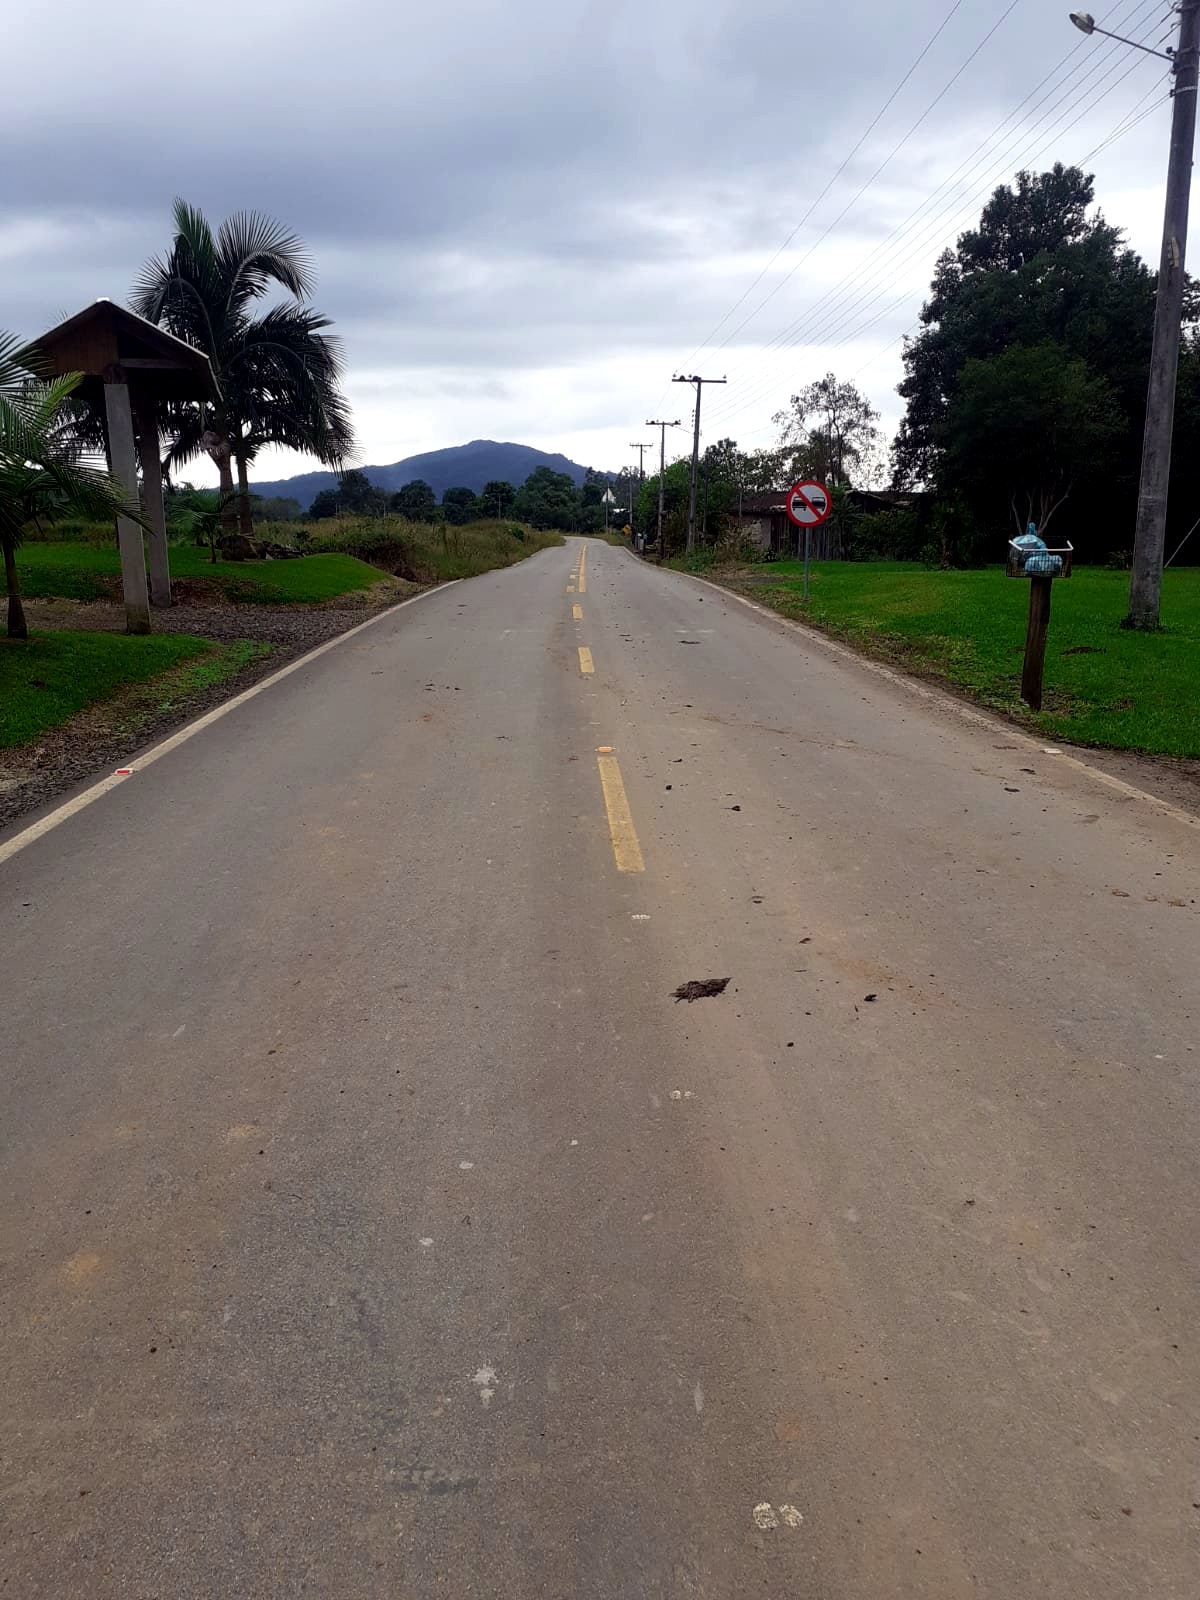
[(895, 150), (863, 137), (812, 324), (789, 335)]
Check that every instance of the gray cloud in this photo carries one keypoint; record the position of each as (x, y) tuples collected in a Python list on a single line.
[(526, 216)]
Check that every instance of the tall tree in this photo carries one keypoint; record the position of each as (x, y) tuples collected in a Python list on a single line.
[(279, 373), (496, 498), (43, 470), (1025, 427), (458, 505), (827, 432), (1042, 267), (548, 499), (415, 500)]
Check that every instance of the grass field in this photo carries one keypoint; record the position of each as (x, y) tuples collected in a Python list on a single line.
[(1103, 685), (44, 682), (93, 572)]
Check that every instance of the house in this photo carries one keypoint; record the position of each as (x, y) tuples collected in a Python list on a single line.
[(762, 520)]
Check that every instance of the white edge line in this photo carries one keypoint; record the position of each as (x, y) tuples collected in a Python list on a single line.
[(948, 702), (69, 808)]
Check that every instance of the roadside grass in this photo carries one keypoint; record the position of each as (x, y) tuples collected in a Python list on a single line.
[(423, 552), (46, 681), (1104, 685), (93, 572)]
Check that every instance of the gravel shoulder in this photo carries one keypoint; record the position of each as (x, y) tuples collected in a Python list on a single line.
[(107, 734)]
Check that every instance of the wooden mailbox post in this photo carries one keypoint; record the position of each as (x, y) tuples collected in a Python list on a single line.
[(129, 367), (1041, 566)]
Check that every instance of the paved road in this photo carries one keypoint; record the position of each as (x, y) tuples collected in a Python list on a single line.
[(374, 1223)]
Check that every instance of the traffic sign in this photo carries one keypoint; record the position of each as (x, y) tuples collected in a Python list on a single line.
[(809, 503)]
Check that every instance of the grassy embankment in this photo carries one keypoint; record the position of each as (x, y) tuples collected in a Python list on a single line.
[(44, 682), (1103, 685)]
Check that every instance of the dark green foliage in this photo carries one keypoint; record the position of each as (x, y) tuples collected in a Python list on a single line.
[(1048, 291), (548, 499), (415, 500), (458, 506)]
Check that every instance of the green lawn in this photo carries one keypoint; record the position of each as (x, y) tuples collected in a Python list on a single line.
[(93, 572), (45, 681), (1103, 685)]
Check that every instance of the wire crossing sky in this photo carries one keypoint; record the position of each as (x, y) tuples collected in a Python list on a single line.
[(525, 219)]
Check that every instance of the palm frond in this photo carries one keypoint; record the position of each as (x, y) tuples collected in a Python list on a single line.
[(255, 251)]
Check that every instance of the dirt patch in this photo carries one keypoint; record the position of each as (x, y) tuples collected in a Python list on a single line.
[(699, 989)]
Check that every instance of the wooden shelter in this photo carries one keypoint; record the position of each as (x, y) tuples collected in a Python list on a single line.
[(130, 366)]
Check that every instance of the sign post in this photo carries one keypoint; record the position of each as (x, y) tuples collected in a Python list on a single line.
[(809, 503)]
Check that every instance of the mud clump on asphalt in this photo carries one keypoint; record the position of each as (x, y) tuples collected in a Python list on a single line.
[(699, 989)]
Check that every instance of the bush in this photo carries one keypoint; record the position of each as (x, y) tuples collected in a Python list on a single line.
[(893, 535), (424, 552)]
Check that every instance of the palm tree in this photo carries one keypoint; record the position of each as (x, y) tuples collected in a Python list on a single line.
[(279, 373), (43, 470)]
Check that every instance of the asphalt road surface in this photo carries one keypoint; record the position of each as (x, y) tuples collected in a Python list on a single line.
[(374, 1223)]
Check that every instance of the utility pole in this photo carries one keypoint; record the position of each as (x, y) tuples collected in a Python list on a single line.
[(662, 473), (1145, 580), (699, 383), (641, 447)]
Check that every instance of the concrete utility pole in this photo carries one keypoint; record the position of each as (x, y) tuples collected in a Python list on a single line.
[(662, 472), (699, 383), (1145, 580), (641, 447)]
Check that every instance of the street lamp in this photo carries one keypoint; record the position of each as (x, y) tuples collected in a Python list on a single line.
[(1145, 580), (1086, 23)]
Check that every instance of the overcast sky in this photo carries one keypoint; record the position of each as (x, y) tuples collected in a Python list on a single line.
[(526, 217)]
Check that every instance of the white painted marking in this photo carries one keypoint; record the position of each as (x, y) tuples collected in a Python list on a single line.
[(465, 1166), (698, 1399), (485, 1381), (791, 1516), (1049, 750), (69, 808), (640, 916), (574, 1142), (676, 1094), (764, 1516), (179, 1030), (425, 1244)]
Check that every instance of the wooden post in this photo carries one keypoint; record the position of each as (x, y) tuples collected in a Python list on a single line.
[(122, 458), (146, 422), (1035, 642)]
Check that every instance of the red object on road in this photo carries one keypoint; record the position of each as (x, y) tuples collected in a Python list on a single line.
[(809, 503)]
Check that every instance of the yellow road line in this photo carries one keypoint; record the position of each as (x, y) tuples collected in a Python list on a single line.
[(583, 569), (627, 852), (586, 664), (577, 613)]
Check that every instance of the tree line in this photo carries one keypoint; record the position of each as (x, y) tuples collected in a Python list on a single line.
[(546, 499)]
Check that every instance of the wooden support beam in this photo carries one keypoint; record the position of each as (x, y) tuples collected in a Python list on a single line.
[(146, 423), (122, 460), (1035, 641)]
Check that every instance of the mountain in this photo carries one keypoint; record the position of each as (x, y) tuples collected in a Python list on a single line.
[(467, 466)]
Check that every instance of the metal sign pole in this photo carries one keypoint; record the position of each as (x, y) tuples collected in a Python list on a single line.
[(807, 541)]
